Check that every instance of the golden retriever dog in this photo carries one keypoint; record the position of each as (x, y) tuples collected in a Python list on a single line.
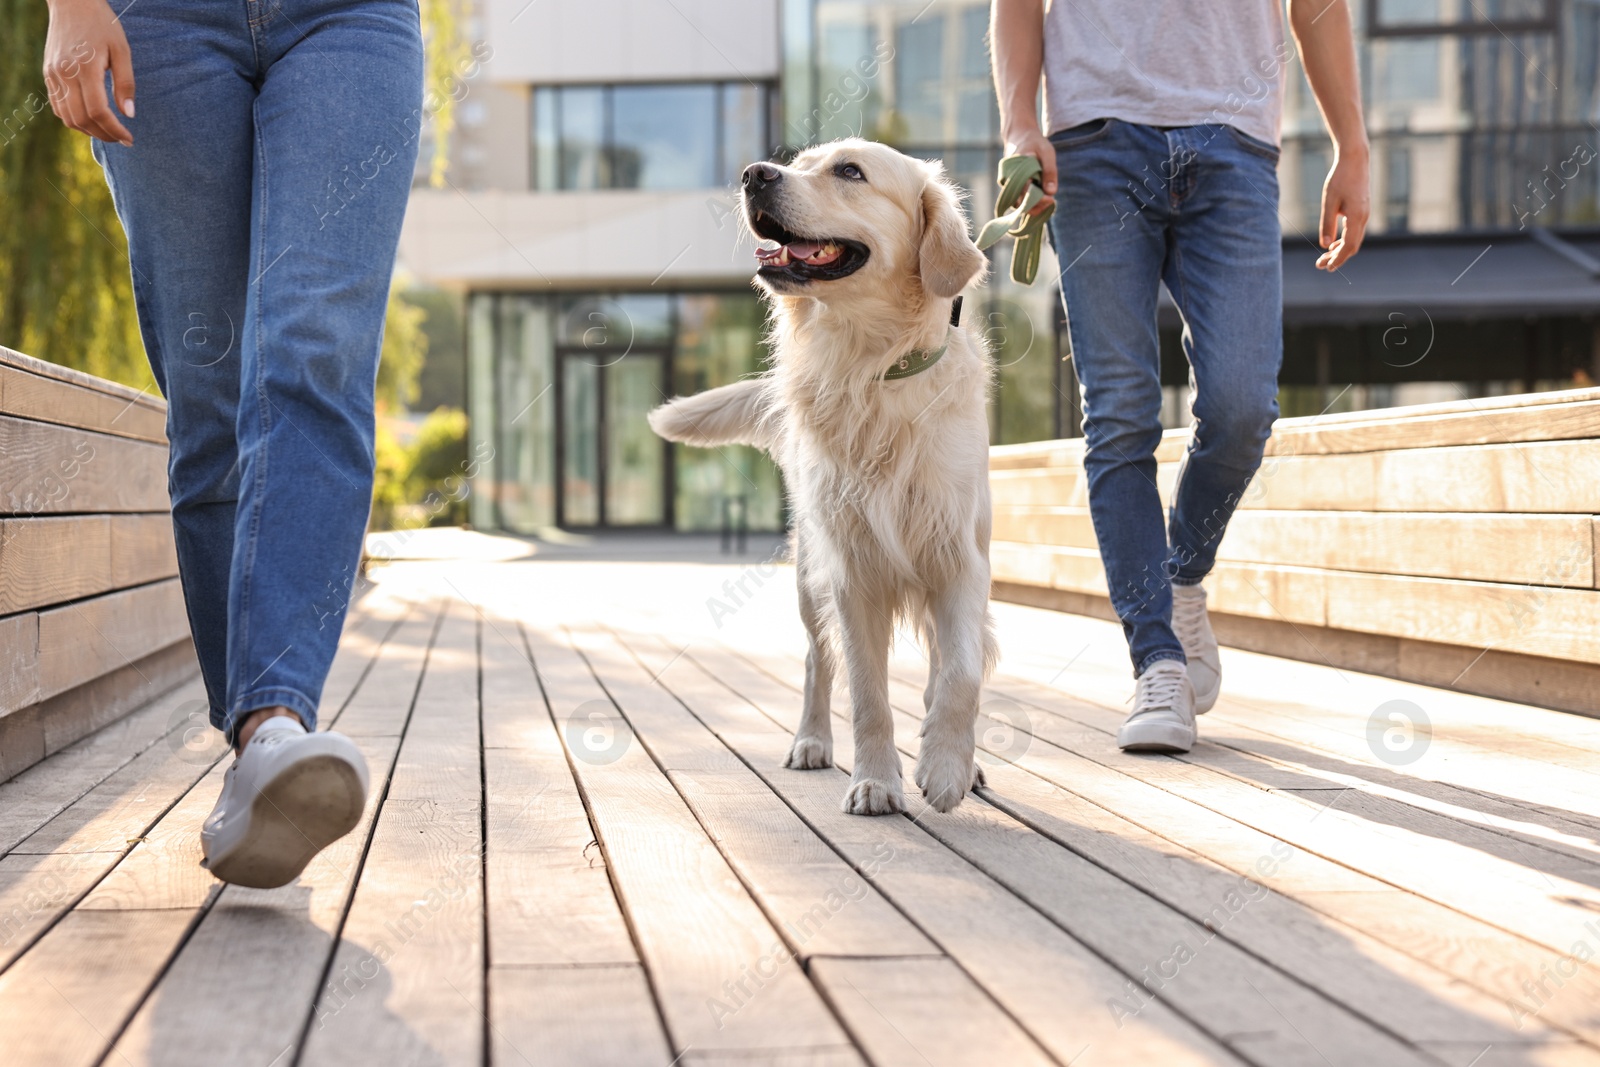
[(862, 251)]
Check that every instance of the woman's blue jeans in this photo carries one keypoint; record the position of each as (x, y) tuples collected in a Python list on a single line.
[(274, 143), (1195, 207)]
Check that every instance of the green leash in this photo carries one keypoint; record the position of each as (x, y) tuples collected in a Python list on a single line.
[(1020, 193)]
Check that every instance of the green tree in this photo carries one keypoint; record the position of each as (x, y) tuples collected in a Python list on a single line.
[(65, 291)]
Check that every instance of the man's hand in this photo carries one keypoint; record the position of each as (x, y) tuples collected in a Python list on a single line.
[(1016, 35), (1344, 198), (85, 39), (1322, 28), (1034, 143)]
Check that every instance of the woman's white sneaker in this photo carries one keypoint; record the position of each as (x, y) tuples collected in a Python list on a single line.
[(1192, 624), (287, 796), (1163, 711)]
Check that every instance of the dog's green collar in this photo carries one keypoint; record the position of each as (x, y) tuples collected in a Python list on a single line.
[(915, 362)]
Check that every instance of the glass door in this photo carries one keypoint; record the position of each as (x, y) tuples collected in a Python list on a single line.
[(614, 469)]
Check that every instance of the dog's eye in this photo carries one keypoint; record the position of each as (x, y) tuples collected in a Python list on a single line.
[(850, 172)]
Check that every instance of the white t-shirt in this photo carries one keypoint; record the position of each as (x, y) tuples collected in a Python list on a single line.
[(1172, 63)]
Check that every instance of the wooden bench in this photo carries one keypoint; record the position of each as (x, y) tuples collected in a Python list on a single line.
[(1450, 544), (92, 621)]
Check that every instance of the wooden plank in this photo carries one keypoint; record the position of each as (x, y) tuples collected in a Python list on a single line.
[(43, 791), (697, 928), (415, 926), (1038, 973), (55, 469), (269, 948), (1213, 979), (1446, 865), (1574, 418), (1487, 408), (19, 662), (922, 1013), (1473, 951), (60, 1003), (51, 560), (565, 983), (116, 812), (548, 890), (592, 1016), (820, 905), (1536, 477), (36, 888), (1551, 621), (1528, 417), (81, 641), (33, 396), (1518, 549), (1249, 898), (47, 561), (142, 398), (142, 548)]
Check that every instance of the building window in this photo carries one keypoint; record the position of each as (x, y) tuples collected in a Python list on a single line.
[(561, 386), (674, 136), (1404, 17)]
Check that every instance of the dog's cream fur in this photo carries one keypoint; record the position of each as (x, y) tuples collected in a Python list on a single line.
[(888, 480)]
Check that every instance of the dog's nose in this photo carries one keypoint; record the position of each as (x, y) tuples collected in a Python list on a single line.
[(760, 175)]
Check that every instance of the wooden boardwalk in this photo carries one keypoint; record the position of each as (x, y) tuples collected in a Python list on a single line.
[(581, 849)]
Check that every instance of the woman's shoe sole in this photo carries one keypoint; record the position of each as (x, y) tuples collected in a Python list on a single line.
[(305, 809), (1155, 737)]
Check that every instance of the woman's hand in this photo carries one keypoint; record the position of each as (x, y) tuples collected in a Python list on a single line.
[(84, 39)]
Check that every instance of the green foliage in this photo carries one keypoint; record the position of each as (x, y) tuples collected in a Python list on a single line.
[(66, 293), (405, 347), (440, 451), (65, 289), (424, 484)]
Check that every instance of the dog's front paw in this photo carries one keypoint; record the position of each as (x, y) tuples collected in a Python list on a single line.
[(945, 779), (809, 754), (871, 797)]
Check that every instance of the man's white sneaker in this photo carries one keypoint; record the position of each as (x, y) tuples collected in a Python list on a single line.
[(1193, 626), (287, 797), (1163, 711)]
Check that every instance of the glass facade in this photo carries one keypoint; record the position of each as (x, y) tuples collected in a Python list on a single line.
[(560, 386), (654, 136), (1481, 115)]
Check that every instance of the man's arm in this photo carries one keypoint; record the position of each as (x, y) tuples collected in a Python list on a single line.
[(1328, 50), (1016, 35)]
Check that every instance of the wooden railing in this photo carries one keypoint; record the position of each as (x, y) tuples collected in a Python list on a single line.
[(1450, 544), (91, 614)]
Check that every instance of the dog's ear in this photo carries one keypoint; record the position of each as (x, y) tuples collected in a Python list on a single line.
[(949, 260)]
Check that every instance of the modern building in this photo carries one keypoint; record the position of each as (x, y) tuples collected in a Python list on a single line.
[(589, 216)]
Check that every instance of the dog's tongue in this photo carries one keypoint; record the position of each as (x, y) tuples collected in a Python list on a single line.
[(815, 253)]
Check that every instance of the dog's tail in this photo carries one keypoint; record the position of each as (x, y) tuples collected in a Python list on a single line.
[(734, 414)]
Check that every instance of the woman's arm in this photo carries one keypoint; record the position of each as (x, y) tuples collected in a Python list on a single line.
[(1016, 35), (1328, 50), (84, 39)]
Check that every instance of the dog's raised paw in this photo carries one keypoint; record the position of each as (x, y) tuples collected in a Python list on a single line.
[(809, 754), (870, 797)]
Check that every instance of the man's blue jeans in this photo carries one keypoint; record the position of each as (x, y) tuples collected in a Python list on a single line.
[(1195, 207), (274, 143)]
